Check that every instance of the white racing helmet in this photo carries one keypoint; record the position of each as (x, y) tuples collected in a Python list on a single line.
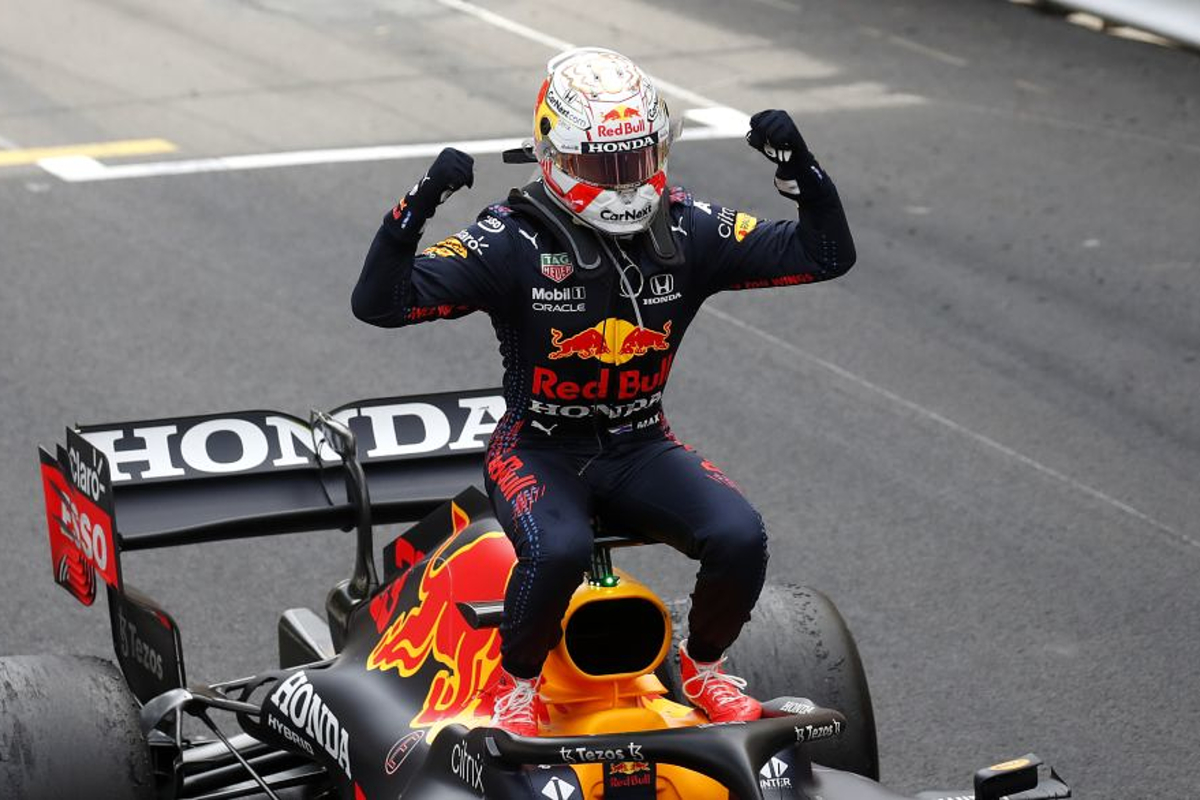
[(601, 134)]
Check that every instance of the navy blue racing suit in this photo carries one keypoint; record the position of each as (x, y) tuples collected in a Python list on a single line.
[(586, 360)]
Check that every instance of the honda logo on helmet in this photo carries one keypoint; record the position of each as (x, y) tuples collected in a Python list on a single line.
[(626, 146)]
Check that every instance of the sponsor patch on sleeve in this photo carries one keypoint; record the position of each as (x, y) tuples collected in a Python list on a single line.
[(742, 225), (450, 247)]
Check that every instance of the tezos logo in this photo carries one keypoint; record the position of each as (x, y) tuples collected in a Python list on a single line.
[(137, 649), (812, 733), (582, 755)]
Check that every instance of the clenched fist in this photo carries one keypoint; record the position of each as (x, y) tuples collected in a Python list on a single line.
[(797, 175)]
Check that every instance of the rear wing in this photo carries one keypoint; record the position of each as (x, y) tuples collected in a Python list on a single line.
[(129, 486)]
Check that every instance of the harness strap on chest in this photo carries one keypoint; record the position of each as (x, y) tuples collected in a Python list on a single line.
[(587, 247)]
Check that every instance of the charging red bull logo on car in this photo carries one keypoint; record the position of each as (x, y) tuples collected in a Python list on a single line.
[(630, 779), (621, 121), (433, 631), (629, 767), (613, 341)]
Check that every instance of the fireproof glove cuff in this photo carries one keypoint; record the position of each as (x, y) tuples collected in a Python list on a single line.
[(798, 176), (452, 170)]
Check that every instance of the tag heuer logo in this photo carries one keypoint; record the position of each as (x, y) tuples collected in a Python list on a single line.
[(556, 266)]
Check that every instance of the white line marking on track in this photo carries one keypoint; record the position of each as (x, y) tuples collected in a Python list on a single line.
[(720, 123), (492, 18), (76, 169), (781, 5), (557, 44), (933, 416)]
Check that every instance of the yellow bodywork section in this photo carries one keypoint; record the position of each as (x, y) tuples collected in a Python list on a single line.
[(583, 705)]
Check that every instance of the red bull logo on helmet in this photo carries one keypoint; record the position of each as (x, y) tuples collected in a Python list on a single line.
[(621, 121), (613, 341), (433, 631)]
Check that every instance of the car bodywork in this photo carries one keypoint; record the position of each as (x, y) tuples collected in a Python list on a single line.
[(388, 698)]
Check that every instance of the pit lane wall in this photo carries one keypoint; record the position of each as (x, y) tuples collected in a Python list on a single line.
[(1174, 19)]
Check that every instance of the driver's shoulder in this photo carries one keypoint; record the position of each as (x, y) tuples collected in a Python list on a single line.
[(684, 203), (498, 222)]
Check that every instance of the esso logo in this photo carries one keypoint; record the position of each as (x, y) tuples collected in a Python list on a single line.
[(89, 536)]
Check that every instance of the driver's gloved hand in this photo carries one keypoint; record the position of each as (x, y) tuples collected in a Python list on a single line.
[(798, 176), (450, 171)]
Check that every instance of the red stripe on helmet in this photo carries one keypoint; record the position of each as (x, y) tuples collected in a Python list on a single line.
[(582, 195)]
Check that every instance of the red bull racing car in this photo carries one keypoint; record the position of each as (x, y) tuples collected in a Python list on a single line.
[(382, 698)]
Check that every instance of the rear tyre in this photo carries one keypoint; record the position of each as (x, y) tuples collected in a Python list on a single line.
[(69, 728), (797, 644), (668, 670)]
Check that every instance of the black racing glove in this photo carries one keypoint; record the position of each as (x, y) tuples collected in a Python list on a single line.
[(798, 176), (452, 170)]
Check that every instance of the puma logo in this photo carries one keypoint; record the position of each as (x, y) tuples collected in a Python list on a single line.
[(544, 429), (531, 237)]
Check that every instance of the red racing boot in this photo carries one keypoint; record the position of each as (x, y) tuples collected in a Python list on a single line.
[(517, 707), (718, 695)]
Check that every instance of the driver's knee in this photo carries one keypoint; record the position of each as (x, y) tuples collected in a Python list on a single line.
[(735, 537), (563, 555)]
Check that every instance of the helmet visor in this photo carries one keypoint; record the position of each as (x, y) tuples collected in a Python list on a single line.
[(613, 170)]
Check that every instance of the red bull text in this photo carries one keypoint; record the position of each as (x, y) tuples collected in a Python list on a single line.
[(621, 121)]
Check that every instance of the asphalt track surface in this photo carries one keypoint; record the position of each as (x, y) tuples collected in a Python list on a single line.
[(983, 442)]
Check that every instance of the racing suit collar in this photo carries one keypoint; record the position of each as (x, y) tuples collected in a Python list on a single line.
[(589, 248)]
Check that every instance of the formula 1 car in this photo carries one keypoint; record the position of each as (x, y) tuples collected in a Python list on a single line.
[(382, 698)]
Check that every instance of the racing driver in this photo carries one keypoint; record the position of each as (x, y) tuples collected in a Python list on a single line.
[(591, 274)]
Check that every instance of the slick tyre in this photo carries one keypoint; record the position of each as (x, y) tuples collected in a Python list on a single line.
[(797, 644), (69, 728)]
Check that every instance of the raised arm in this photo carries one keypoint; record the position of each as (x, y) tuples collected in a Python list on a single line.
[(743, 253), (449, 279)]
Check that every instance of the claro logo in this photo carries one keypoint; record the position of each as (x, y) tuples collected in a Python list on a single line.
[(264, 441)]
